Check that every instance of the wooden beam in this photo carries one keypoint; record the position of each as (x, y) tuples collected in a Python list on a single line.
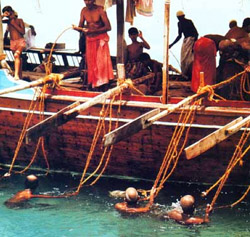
[(165, 69), (43, 127), (120, 31), (235, 128), (125, 131), (150, 117), (1, 32), (47, 79), (73, 110), (211, 140), (172, 108)]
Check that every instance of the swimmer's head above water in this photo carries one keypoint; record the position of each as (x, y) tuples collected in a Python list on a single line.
[(131, 195), (187, 204), (31, 182)]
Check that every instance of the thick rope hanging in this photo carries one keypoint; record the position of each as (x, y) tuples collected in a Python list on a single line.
[(236, 159)]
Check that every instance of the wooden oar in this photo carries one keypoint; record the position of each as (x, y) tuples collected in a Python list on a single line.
[(47, 79)]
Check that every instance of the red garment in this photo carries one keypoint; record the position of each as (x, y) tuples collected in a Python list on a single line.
[(204, 61), (99, 63)]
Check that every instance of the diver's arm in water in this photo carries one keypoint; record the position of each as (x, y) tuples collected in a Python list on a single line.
[(189, 220), (124, 206)]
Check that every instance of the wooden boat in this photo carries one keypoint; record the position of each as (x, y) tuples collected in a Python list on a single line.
[(140, 155), (135, 155)]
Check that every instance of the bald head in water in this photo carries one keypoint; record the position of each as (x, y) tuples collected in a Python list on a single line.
[(187, 204), (131, 195), (31, 182)]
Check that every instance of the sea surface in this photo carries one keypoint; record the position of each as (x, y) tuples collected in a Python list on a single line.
[(92, 212)]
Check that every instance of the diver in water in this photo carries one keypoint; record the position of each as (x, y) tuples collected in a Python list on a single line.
[(185, 213), (130, 204), (20, 198)]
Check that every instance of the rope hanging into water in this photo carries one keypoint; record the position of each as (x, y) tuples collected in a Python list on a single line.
[(236, 159), (172, 153), (172, 156), (27, 121)]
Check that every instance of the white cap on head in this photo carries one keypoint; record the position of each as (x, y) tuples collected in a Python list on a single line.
[(180, 13)]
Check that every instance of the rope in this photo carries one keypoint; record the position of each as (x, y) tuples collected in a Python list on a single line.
[(48, 65), (236, 158), (130, 84), (99, 128), (238, 201), (172, 154)]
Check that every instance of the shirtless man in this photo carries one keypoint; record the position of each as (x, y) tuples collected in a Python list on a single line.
[(17, 41), (134, 67), (21, 197), (130, 204), (95, 24), (135, 49), (186, 215)]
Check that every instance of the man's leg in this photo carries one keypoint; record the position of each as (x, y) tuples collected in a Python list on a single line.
[(18, 64)]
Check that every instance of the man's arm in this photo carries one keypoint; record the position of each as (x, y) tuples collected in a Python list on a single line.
[(200, 220), (144, 42), (80, 28), (123, 207), (178, 37)]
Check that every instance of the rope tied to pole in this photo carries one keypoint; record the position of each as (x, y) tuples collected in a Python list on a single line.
[(53, 77), (130, 84)]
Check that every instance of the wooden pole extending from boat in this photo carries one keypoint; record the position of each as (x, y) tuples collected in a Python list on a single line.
[(48, 79), (110, 138), (211, 140), (65, 115), (162, 114), (165, 69)]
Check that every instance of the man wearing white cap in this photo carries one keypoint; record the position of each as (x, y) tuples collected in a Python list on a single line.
[(187, 28)]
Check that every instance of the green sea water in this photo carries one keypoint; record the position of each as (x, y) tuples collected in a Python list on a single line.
[(92, 212)]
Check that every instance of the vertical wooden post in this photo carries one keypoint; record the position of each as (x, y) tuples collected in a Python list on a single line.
[(120, 31), (1, 31), (165, 74)]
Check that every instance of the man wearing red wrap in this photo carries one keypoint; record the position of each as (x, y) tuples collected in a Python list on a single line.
[(95, 24), (204, 61)]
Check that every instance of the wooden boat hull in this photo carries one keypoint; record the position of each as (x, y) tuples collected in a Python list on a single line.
[(140, 155)]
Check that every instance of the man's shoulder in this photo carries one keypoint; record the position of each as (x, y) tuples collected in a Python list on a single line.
[(175, 215)]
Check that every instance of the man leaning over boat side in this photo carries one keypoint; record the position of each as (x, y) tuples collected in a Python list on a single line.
[(95, 24), (17, 41)]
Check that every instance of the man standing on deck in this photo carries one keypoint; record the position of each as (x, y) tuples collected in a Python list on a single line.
[(17, 41), (187, 28), (95, 24)]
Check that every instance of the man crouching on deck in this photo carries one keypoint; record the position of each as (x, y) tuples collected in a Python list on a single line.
[(97, 25)]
